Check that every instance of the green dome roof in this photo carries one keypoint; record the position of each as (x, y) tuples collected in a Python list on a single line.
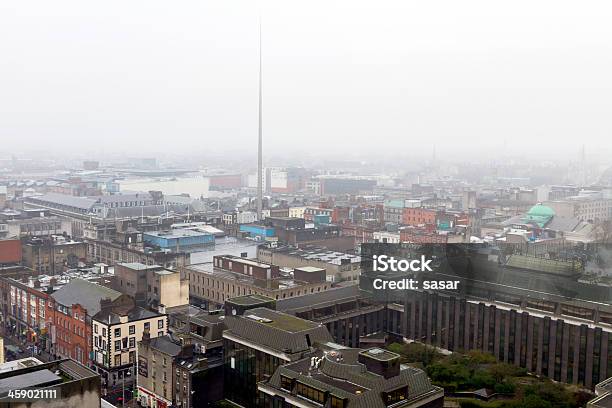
[(540, 210)]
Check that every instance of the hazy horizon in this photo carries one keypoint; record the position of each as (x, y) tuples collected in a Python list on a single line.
[(389, 78)]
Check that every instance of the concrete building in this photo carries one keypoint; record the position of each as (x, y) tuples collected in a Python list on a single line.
[(227, 277), (342, 377), (603, 392), (591, 208), (239, 217), (387, 237), (297, 212), (36, 222), (257, 343), (76, 386), (393, 210), (112, 253), (18, 364), (132, 278), (339, 266), (346, 185), (179, 240), (3, 195), (53, 254), (167, 288)]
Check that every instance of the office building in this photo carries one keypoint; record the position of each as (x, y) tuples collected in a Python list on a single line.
[(229, 276), (338, 265), (257, 343), (340, 377)]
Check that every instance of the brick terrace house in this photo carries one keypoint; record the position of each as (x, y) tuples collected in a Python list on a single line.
[(69, 312)]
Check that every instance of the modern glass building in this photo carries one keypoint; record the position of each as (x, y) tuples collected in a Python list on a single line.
[(259, 342)]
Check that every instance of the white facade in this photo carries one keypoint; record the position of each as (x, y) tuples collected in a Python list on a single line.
[(278, 179), (387, 237), (297, 212), (246, 217)]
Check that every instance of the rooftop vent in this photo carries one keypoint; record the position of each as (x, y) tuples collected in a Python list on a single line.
[(258, 319)]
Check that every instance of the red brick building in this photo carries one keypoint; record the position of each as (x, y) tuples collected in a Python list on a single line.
[(24, 310), (10, 251), (418, 216), (421, 236), (71, 309)]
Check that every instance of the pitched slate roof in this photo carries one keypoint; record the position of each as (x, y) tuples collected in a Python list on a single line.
[(350, 379), (165, 345), (85, 293), (276, 330), (136, 313)]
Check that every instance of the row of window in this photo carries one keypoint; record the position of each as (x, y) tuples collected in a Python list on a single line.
[(310, 393), (131, 328)]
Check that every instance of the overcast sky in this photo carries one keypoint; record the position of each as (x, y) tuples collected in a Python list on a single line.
[(361, 76)]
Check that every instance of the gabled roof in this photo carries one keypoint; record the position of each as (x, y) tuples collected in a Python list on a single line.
[(84, 293), (165, 345), (82, 203)]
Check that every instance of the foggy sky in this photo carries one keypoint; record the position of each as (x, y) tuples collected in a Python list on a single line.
[(155, 76)]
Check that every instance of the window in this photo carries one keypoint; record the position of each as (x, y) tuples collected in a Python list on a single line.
[(147, 325), (132, 329), (396, 396), (104, 331), (337, 402), (160, 324), (117, 345), (311, 393), (286, 383), (132, 342), (96, 328), (118, 332)]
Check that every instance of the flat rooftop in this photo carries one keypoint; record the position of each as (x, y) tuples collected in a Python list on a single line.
[(246, 261), (279, 320), (210, 269), (138, 266), (165, 272), (319, 254), (310, 269), (249, 300), (20, 381), (177, 233), (225, 246), (379, 354)]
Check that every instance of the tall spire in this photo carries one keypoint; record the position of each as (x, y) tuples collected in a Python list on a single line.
[(259, 144)]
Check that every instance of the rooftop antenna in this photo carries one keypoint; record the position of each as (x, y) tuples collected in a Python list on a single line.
[(259, 144)]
